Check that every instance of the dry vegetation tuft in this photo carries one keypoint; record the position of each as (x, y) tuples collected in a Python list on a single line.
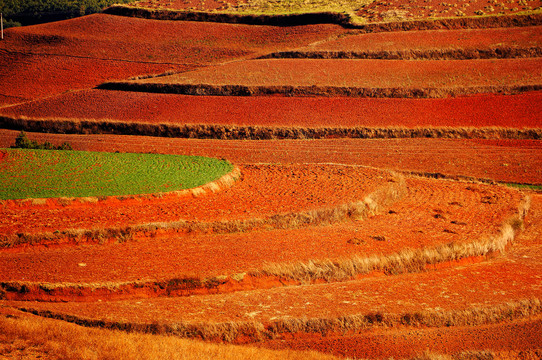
[(235, 132)]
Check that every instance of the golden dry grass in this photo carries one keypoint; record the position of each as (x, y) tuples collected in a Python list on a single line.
[(29, 337), (236, 132)]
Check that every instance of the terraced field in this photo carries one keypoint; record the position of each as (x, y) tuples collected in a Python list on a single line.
[(383, 202)]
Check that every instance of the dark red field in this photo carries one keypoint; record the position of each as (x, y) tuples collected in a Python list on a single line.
[(506, 111)]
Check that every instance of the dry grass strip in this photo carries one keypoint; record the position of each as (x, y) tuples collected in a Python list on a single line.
[(234, 132), (315, 90), (405, 261), (350, 324), (504, 52)]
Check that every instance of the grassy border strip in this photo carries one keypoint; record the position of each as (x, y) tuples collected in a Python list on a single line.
[(224, 182), (498, 52), (249, 332), (314, 90), (235, 132)]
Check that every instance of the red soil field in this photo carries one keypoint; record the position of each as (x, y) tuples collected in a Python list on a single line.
[(28, 76), (519, 37), (141, 40), (508, 277), (520, 161), (393, 10), (404, 74), (507, 111), (48, 59), (509, 341), (263, 191), (433, 213)]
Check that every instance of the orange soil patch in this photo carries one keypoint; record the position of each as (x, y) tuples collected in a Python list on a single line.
[(504, 279), (433, 213), (263, 191), (507, 111), (350, 74), (466, 39), (519, 162), (393, 10)]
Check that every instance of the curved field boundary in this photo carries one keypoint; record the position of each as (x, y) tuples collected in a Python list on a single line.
[(342, 19), (239, 132), (371, 204), (276, 275), (222, 183), (250, 332), (504, 52), (314, 90)]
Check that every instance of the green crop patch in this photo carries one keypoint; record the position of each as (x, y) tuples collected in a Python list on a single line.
[(48, 173)]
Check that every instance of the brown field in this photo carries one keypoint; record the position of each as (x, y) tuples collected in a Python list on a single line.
[(370, 218)]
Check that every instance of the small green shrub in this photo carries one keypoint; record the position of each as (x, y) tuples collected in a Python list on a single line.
[(23, 142)]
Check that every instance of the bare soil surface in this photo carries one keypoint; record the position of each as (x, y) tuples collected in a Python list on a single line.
[(506, 111), (28, 76), (431, 40), (512, 276), (511, 340), (515, 161), (325, 76), (73, 55)]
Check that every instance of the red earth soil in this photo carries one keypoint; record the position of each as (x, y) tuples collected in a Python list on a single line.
[(51, 58), (507, 111), (433, 213), (27, 76), (364, 73), (479, 39), (393, 10), (508, 277), (263, 191), (504, 340), (518, 162), (142, 40)]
